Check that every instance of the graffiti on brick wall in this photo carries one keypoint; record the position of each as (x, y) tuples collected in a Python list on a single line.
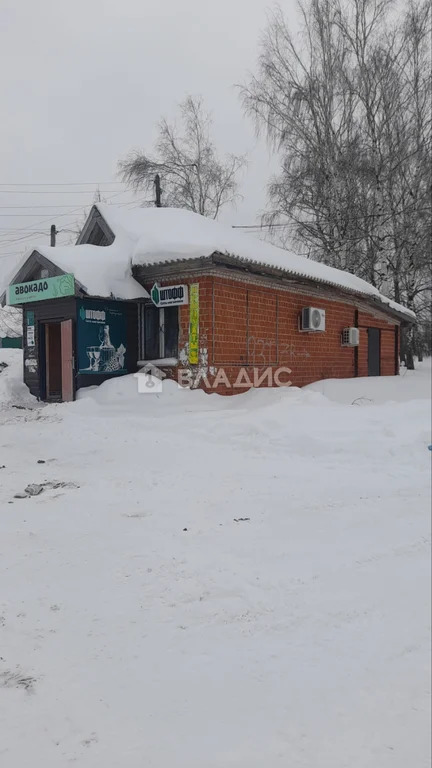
[(199, 373), (261, 351), (265, 351)]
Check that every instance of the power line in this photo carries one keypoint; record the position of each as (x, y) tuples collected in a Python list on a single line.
[(47, 217), (57, 191), (60, 184), (50, 205), (32, 215)]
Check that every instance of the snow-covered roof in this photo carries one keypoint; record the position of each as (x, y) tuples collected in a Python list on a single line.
[(164, 235), (152, 236), (10, 322), (101, 271)]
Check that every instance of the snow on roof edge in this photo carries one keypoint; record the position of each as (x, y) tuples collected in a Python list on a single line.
[(170, 235), (377, 298)]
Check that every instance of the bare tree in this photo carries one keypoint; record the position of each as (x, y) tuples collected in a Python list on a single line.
[(192, 174), (348, 108)]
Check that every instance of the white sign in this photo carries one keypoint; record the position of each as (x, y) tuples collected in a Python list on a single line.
[(30, 335), (169, 295)]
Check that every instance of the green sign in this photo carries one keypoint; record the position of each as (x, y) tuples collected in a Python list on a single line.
[(41, 290), (101, 337)]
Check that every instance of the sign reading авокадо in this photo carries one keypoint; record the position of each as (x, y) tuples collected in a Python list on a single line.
[(40, 290)]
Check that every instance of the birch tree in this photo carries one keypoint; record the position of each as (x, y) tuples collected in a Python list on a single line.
[(193, 176), (348, 109)]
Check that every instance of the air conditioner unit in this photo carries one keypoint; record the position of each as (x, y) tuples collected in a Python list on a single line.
[(312, 319), (350, 337)]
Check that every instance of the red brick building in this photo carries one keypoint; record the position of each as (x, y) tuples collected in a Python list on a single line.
[(251, 302), (251, 322), (237, 312)]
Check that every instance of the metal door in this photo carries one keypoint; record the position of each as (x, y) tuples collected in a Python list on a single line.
[(374, 343), (67, 361)]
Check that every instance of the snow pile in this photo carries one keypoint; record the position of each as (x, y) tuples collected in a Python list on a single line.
[(13, 391), (409, 385), (209, 582), (10, 322), (163, 235)]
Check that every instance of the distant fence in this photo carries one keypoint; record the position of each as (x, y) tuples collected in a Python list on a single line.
[(9, 343)]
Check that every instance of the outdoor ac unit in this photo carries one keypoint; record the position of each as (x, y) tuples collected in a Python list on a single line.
[(350, 337), (312, 319)]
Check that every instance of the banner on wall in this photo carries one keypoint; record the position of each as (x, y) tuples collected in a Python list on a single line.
[(194, 324), (101, 338)]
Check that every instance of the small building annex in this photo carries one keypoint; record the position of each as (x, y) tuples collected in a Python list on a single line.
[(172, 288)]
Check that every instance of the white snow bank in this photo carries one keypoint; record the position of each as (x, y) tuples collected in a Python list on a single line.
[(409, 385), (171, 234), (245, 587), (122, 392), (13, 391)]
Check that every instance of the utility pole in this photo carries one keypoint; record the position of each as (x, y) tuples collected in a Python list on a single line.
[(157, 191), (53, 235)]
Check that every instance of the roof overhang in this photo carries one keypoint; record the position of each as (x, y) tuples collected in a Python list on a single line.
[(30, 264), (227, 261)]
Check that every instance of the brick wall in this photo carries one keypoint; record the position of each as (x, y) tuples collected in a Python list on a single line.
[(245, 325)]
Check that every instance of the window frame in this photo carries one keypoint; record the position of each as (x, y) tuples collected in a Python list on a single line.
[(141, 334)]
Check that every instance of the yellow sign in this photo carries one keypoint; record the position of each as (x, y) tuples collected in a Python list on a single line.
[(194, 324)]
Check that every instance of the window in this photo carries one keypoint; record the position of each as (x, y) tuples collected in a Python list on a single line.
[(158, 332)]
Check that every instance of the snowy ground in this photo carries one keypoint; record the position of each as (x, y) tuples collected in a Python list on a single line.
[(141, 626)]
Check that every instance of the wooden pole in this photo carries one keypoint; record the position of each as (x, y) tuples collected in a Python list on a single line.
[(157, 191), (53, 235)]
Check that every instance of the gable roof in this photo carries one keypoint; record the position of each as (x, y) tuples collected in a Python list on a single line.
[(99, 271), (168, 235), (153, 236)]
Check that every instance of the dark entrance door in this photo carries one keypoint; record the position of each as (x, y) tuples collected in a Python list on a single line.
[(53, 367), (374, 351), (57, 361)]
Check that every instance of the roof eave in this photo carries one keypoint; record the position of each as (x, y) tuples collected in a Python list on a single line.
[(223, 259)]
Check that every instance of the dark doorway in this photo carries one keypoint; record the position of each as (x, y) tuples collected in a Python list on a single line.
[(53, 361), (56, 361), (374, 343)]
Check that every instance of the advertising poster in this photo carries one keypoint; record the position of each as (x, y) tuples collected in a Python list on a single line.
[(194, 324), (101, 338)]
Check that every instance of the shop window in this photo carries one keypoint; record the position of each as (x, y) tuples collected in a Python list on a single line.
[(158, 332)]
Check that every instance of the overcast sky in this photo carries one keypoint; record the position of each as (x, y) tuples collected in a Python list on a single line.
[(84, 82)]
